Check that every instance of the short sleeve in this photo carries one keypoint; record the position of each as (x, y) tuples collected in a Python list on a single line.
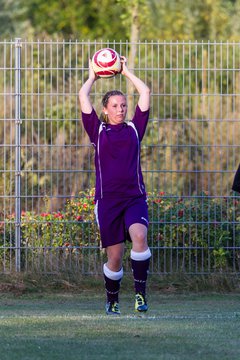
[(140, 120), (91, 124)]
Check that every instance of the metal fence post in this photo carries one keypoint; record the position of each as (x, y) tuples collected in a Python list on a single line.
[(18, 46)]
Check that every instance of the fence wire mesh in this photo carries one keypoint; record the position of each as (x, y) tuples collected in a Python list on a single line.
[(189, 155)]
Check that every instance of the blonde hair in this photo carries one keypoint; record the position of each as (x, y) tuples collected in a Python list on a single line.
[(104, 118)]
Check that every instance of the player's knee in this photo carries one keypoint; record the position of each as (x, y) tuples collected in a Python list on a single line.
[(115, 262), (139, 236)]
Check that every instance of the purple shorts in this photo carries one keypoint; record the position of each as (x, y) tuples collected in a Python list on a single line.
[(115, 216)]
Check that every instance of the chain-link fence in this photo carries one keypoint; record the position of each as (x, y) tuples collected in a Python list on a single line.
[(189, 155)]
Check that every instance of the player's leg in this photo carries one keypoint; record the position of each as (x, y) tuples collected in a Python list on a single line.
[(113, 273), (140, 259), (112, 231), (136, 218)]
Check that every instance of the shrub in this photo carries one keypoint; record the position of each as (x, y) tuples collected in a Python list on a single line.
[(202, 232), (203, 228), (68, 229)]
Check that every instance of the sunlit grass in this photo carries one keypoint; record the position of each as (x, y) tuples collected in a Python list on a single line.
[(74, 326)]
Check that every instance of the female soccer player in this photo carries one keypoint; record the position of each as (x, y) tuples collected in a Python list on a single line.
[(120, 196)]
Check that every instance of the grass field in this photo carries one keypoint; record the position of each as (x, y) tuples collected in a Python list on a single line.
[(71, 326)]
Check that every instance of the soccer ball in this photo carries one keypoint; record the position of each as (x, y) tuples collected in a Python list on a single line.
[(106, 63)]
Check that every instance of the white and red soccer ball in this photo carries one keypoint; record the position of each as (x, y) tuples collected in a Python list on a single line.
[(106, 63)]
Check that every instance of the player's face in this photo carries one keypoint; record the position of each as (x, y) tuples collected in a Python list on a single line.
[(116, 109)]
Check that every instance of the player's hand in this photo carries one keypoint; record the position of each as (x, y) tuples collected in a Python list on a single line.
[(124, 70), (92, 74)]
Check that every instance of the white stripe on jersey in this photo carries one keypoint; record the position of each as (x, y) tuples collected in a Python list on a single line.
[(130, 123), (99, 164)]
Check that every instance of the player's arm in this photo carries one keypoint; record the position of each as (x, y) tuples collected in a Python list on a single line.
[(142, 88), (84, 92)]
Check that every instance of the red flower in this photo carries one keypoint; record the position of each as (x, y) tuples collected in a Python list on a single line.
[(160, 237), (44, 214), (66, 244), (180, 213), (58, 216)]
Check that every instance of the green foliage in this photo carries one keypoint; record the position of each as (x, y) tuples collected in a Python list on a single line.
[(69, 229), (201, 229), (192, 20), (112, 19), (12, 19), (79, 19), (135, 12)]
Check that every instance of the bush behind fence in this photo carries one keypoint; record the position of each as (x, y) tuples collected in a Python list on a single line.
[(191, 235)]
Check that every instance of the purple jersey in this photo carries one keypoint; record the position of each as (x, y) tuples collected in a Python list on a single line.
[(117, 154)]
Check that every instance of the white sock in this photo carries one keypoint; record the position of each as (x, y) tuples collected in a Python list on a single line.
[(113, 275), (141, 256)]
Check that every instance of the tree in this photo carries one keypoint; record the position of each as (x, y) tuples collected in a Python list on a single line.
[(75, 18), (191, 20), (122, 19), (135, 15), (234, 21), (9, 24)]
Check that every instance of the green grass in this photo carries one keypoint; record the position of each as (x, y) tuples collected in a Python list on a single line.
[(71, 326)]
